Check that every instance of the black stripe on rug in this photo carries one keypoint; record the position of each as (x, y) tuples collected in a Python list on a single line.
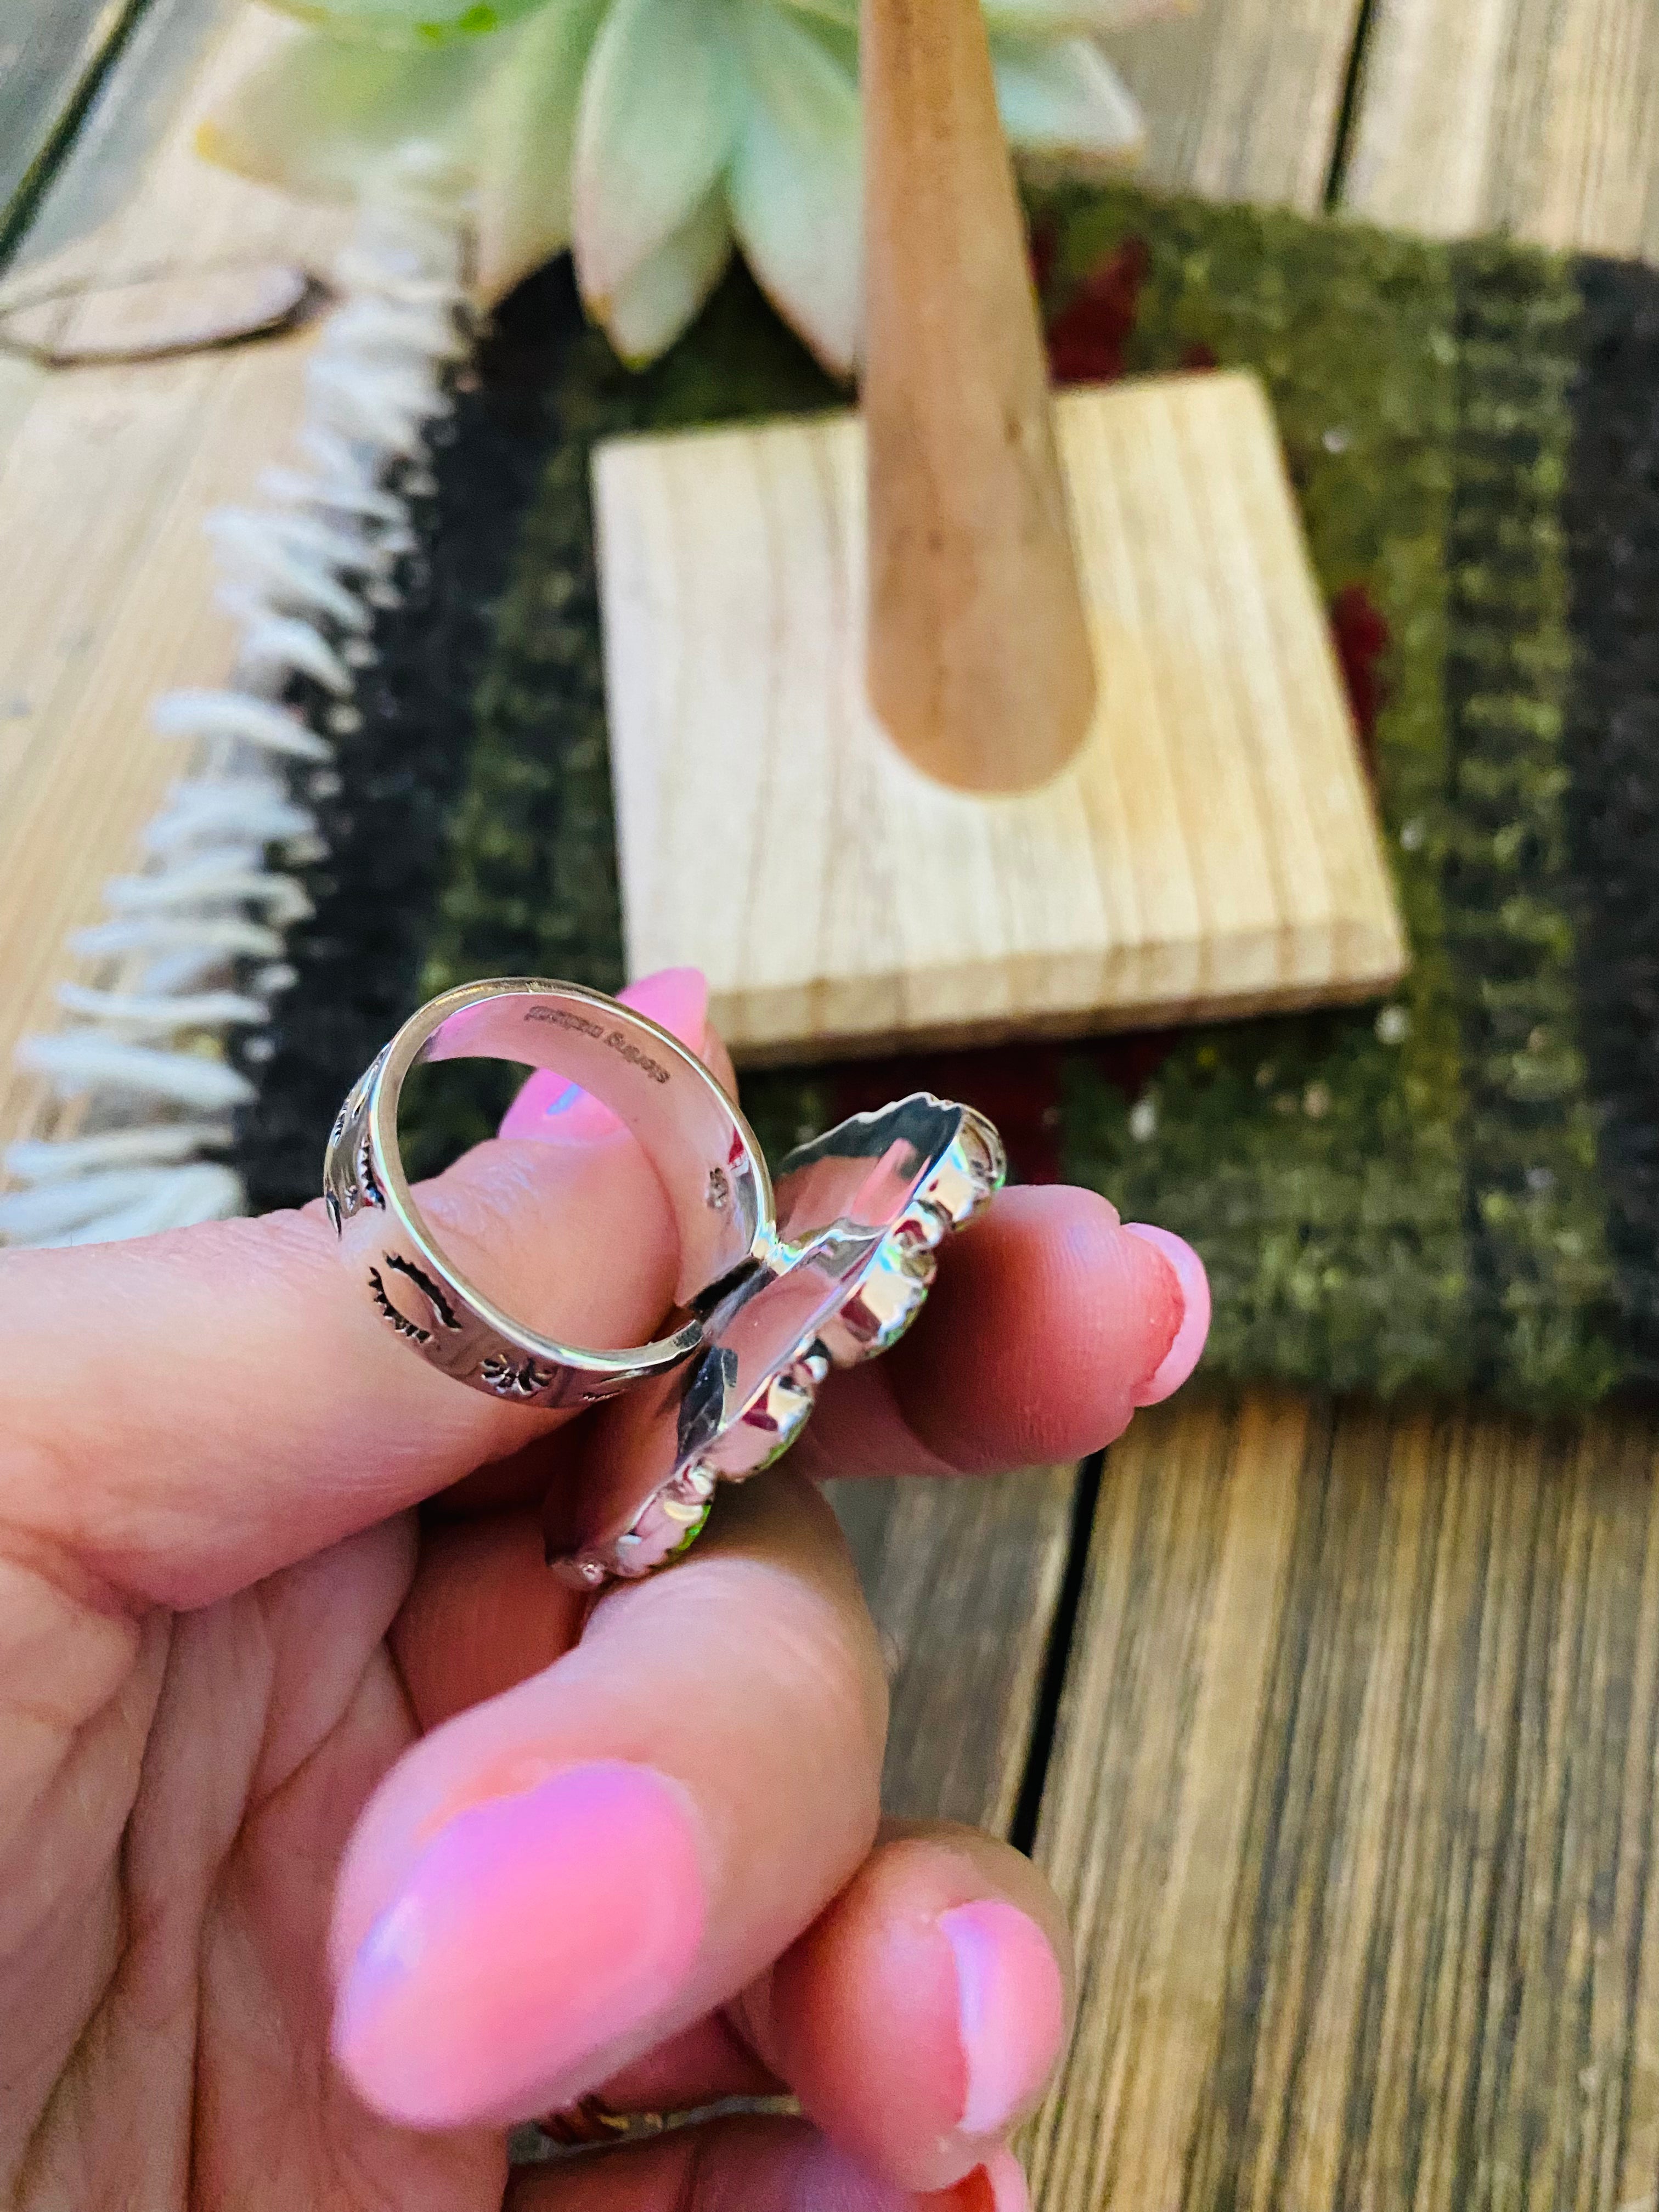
[(1610, 517), (403, 746)]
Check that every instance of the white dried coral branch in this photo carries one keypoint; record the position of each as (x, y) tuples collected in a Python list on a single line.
[(146, 1050)]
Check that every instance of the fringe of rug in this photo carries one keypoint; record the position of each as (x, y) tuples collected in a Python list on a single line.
[(191, 952)]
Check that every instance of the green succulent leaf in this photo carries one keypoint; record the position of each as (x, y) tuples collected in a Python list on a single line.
[(1051, 19), (645, 133), (1067, 101), (654, 133), (319, 115), (843, 13), (648, 312), (525, 133), (796, 180), (409, 23)]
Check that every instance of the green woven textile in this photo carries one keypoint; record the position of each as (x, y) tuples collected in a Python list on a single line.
[(1410, 1198), (1416, 1196)]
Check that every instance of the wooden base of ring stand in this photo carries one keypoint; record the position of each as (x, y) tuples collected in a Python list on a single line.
[(1212, 850)]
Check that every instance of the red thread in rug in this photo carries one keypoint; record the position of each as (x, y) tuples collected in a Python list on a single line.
[(1360, 632), (1087, 337)]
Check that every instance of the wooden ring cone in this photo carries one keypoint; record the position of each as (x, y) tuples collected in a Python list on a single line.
[(980, 666)]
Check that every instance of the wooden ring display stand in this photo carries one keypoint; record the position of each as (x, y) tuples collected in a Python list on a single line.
[(983, 715)]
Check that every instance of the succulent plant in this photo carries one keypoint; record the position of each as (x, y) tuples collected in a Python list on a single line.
[(653, 137)]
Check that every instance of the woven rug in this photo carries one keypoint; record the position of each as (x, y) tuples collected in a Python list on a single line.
[(1458, 1191)]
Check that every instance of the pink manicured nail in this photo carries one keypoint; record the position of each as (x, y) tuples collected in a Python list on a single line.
[(1183, 1356), (562, 1113), (1011, 2010), (531, 1934)]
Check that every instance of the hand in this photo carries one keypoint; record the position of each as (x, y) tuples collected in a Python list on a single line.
[(333, 1839)]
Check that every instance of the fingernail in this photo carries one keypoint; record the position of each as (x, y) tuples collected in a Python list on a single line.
[(1011, 2010), (1183, 1356), (999, 2185), (562, 1113), (531, 1934)]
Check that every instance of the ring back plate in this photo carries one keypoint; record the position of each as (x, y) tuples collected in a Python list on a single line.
[(860, 1212), (1213, 851)]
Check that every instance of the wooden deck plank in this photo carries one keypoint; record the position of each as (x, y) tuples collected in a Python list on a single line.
[(118, 607), (106, 477), (48, 51), (963, 1578), (137, 100), (1242, 98), (1353, 1804), (1539, 116)]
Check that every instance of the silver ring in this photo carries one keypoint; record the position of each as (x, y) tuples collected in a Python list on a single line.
[(861, 1215), (703, 1149)]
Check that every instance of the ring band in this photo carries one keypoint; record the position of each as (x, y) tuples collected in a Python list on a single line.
[(861, 1213), (705, 1153), (591, 2121)]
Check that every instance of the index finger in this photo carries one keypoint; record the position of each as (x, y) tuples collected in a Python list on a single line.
[(187, 1413)]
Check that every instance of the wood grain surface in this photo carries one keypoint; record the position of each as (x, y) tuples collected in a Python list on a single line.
[(1353, 1804), (49, 52), (979, 659), (964, 1579), (1243, 99), (1213, 849), (102, 168), (1540, 117), (106, 477)]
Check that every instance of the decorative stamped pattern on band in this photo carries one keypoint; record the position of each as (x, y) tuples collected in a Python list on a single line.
[(350, 1183), (432, 1310), (441, 1313), (515, 1378)]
